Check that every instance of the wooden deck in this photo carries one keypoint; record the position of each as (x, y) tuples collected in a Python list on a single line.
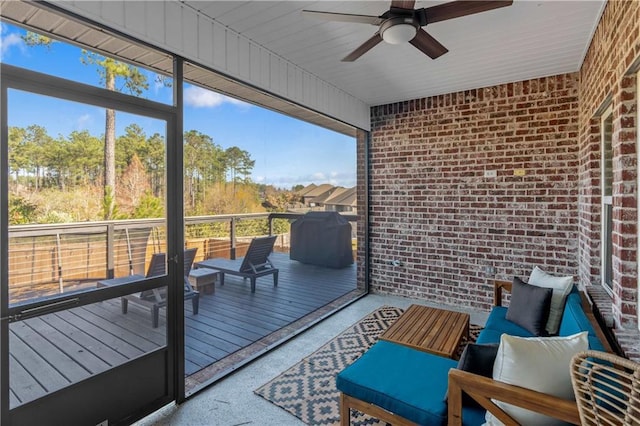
[(52, 351)]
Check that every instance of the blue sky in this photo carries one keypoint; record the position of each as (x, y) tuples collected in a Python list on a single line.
[(286, 151)]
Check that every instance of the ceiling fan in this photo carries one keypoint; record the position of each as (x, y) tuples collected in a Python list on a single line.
[(402, 23)]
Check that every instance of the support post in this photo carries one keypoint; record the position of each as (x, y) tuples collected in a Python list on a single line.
[(110, 251), (232, 232)]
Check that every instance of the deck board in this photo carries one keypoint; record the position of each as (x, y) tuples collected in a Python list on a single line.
[(55, 350), (111, 341), (13, 399), (26, 387), (93, 351), (236, 318), (83, 356), (137, 343), (205, 332), (39, 372), (45, 351), (137, 321)]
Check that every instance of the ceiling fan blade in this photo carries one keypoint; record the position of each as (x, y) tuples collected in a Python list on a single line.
[(428, 45), (400, 4), (363, 48), (344, 17), (456, 9)]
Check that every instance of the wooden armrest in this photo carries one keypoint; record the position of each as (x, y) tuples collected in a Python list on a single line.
[(588, 310), (498, 286), (483, 390)]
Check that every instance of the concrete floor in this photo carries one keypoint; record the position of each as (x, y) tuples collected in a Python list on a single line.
[(231, 401)]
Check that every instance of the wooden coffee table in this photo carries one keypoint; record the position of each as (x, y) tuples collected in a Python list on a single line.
[(433, 330)]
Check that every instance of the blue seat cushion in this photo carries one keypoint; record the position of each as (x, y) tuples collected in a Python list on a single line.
[(574, 320), (497, 324), (404, 381)]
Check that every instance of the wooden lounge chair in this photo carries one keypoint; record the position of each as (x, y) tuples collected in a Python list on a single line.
[(157, 298), (253, 265)]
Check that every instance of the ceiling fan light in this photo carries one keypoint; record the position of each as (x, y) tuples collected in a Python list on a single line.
[(399, 33)]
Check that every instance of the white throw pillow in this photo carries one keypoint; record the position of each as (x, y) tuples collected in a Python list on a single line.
[(561, 288), (538, 363)]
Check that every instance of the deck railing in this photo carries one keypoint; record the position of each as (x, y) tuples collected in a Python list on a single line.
[(55, 258)]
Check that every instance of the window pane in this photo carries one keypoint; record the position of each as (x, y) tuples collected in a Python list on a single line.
[(607, 156), (59, 240), (608, 247)]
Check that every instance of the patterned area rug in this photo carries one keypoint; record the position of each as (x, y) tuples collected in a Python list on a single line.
[(308, 391)]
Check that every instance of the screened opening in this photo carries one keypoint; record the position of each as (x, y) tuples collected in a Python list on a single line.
[(230, 196)]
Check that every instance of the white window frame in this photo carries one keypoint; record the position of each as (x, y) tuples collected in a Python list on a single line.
[(606, 202)]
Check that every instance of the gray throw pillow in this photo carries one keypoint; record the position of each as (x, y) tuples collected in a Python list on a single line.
[(529, 306)]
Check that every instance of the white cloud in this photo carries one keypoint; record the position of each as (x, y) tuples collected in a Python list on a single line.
[(202, 98), (83, 121), (8, 40), (157, 84)]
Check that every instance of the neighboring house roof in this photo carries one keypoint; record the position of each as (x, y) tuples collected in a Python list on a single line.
[(329, 195), (303, 192), (321, 199), (336, 194), (344, 197), (319, 190)]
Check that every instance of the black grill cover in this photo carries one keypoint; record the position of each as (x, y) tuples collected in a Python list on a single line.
[(322, 238)]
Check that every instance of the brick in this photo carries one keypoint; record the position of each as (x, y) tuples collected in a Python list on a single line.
[(430, 202), (472, 221)]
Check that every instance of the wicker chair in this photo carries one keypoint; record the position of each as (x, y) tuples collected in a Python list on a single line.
[(607, 389)]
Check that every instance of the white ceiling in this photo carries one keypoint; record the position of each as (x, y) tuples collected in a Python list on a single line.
[(526, 40)]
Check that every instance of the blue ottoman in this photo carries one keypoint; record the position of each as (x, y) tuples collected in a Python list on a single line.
[(409, 383)]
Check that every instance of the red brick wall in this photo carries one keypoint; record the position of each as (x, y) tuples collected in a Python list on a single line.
[(607, 77), (432, 208)]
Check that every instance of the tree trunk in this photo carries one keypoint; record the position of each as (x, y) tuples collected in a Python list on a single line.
[(61, 180), (192, 192), (110, 150)]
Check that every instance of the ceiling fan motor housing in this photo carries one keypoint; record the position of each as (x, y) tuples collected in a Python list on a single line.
[(399, 29)]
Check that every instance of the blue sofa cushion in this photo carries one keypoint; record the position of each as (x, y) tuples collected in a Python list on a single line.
[(404, 381), (497, 323), (574, 320)]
